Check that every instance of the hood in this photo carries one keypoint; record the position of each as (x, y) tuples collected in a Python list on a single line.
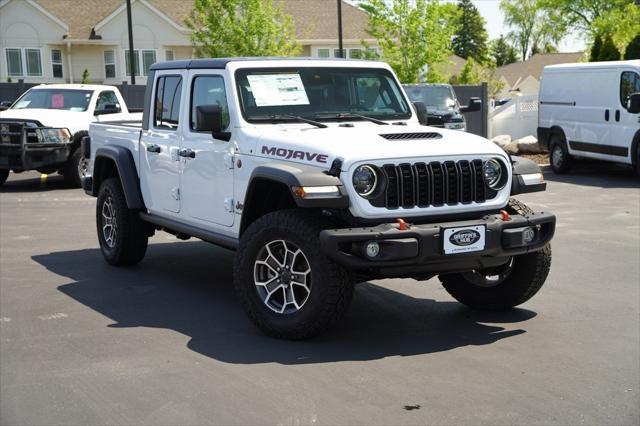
[(362, 142), (72, 120)]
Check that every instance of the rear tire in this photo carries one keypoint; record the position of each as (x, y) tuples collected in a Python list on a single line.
[(4, 175), (73, 170), (559, 158), (287, 286), (517, 281), (122, 235)]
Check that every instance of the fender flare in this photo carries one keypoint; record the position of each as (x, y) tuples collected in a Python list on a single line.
[(127, 174), (523, 166)]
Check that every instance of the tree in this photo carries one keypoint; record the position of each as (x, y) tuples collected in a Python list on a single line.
[(595, 48), (412, 35), (622, 23), (85, 77), (470, 39), (609, 51), (502, 52), (531, 24), (633, 48), (241, 28), (476, 73)]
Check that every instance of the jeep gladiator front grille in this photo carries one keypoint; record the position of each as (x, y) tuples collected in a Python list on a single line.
[(432, 184)]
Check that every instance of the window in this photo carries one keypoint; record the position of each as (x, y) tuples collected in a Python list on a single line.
[(629, 83), (167, 102), (56, 62), (168, 55), (109, 64), (324, 53), (209, 90), (336, 53), (148, 58), (14, 62), (34, 64), (107, 97), (45, 98), (355, 53)]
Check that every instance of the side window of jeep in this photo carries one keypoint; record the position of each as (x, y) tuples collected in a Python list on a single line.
[(209, 90), (167, 102)]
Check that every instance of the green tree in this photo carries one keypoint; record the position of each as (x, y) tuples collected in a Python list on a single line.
[(609, 51), (241, 28), (470, 39), (502, 52), (595, 48), (633, 48), (531, 24), (85, 77), (623, 23), (412, 35), (475, 73)]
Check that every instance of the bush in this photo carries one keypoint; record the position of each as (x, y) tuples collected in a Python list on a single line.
[(633, 49)]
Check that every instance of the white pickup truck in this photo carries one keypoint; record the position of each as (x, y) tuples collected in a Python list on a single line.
[(43, 128), (320, 174)]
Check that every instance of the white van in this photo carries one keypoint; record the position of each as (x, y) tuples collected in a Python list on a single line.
[(590, 110)]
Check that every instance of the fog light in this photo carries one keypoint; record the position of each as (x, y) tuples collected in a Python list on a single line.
[(528, 235), (373, 249)]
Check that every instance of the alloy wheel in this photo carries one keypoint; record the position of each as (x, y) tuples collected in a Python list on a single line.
[(109, 223)]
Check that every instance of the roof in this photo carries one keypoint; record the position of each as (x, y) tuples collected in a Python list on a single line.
[(604, 64), (534, 65), (313, 19), (72, 86), (221, 63)]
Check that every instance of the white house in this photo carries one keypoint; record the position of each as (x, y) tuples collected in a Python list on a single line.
[(54, 41)]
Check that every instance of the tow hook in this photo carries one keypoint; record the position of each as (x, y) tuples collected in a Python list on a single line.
[(402, 225)]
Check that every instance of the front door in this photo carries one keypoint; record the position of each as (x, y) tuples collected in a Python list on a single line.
[(159, 146), (207, 172), (627, 124)]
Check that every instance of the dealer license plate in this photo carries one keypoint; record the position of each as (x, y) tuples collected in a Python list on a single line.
[(464, 239)]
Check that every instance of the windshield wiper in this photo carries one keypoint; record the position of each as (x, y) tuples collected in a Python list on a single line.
[(280, 117), (348, 115)]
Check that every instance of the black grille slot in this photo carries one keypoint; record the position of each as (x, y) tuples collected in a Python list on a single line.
[(11, 133), (432, 184), (407, 136)]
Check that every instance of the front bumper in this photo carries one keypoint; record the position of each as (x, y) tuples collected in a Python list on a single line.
[(33, 156), (419, 250)]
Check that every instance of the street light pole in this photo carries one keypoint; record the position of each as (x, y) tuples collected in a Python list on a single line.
[(131, 53), (340, 46)]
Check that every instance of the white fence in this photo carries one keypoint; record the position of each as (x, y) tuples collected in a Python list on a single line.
[(517, 118)]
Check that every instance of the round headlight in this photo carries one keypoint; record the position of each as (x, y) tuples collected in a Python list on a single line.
[(365, 180), (492, 171)]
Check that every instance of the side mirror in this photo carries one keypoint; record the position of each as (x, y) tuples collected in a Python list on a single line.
[(108, 109), (421, 112), (633, 104), (475, 104), (4, 105), (209, 119)]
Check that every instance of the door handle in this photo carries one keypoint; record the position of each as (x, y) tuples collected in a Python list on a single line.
[(154, 148), (187, 153), (606, 115), (617, 115)]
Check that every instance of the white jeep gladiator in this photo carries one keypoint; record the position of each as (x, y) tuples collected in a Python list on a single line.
[(43, 128), (319, 174)]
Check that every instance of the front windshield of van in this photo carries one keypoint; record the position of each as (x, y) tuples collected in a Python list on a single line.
[(320, 93), (435, 97), (64, 99)]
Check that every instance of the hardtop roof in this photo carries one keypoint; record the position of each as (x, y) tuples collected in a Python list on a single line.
[(221, 63)]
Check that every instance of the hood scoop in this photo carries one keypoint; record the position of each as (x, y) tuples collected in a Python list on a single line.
[(411, 136)]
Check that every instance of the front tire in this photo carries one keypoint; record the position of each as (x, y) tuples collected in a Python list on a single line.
[(504, 287), (122, 235), (559, 158), (74, 169), (4, 175), (286, 285)]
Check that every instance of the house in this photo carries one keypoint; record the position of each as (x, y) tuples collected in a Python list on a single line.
[(54, 41), (524, 77)]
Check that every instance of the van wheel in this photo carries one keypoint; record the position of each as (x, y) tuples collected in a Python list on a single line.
[(122, 235), (4, 174), (287, 286), (559, 158)]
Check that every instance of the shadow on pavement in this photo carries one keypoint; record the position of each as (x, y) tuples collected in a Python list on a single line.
[(187, 287), (599, 174), (31, 182)]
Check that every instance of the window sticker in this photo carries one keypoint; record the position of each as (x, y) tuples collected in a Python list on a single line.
[(278, 89), (57, 100)]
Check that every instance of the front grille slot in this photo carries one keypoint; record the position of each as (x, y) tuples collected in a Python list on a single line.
[(432, 184)]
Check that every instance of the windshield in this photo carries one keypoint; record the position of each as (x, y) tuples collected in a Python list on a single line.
[(65, 99), (439, 97), (320, 93)]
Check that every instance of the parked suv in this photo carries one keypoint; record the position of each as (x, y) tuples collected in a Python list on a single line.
[(319, 174)]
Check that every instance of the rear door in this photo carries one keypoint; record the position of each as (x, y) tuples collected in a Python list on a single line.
[(207, 173), (159, 145)]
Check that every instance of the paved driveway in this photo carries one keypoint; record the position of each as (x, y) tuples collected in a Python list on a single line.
[(166, 342)]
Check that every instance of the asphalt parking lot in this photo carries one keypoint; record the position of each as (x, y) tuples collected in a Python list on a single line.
[(166, 343)]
